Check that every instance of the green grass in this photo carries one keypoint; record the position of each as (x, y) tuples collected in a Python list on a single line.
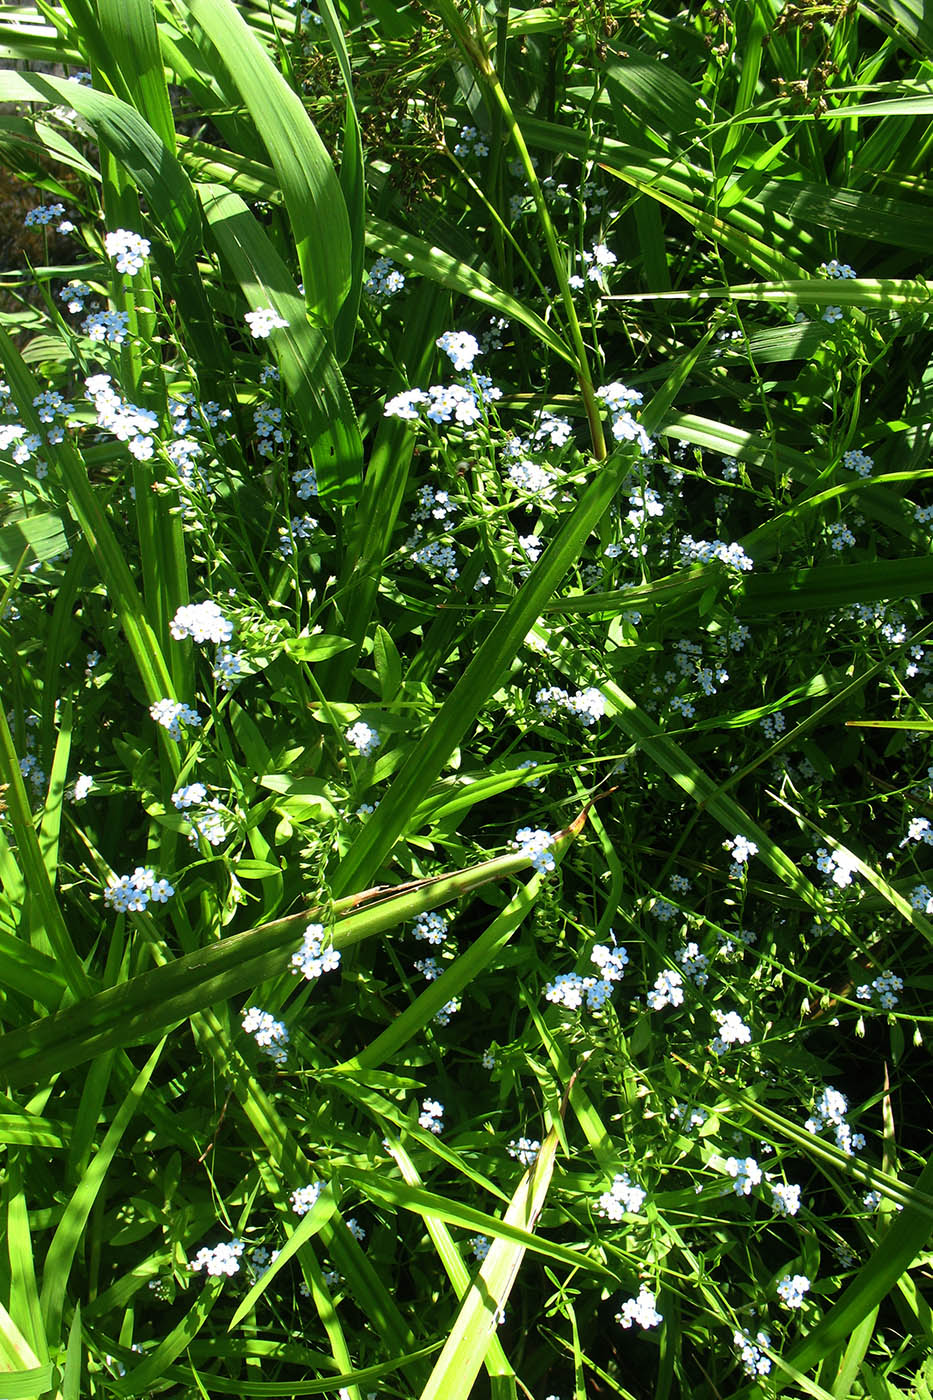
[(435, 629)]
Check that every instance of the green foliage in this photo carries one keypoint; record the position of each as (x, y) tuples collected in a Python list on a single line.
[(524, 774)]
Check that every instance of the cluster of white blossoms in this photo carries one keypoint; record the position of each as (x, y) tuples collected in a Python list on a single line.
[(128, 423), (587, 706), (269, 1034), (858, 461), (687, 1118), (128, 250), (840, 536), (431, 1116), (222, 1259), (741, 850), (384, 279), (694, 964), (524, 1150), (921, 899), (754, 1361), (705, 551), (263, 322), (172, 714), (191, 795), (570, 988), (791, 1290), (597, 262), (830, 1112), (840, 865), (364, 739), (732, 1031), (75, 294), (526, 475), (745, 1173), (470, 143), (304, 1197), (460, 347), (305, 483), (834, 268), (203, 622), (133, 893), (480, 1245), (44, 214), (620, 400), (785, 1197), (312, 959), (622, 1198), (668, 990), (641, 1311), (431, 928), (537, 845), (919, 830), (446, 403), (552, 430)]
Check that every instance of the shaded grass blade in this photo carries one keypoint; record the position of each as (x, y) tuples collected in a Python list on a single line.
[(310, 374)]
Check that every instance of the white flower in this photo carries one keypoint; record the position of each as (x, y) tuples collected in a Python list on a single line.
[(537, 846), (263, 322), (431, 1116), (129, 250), (791, 1290), (222, 1259), (668, 991), (732, 1031), (461, 347), (312, 960), (745, 1174), (640, 1310), (785, 1198), (304, 1197), (363, 739), (524, 1150), (202, 621), (621, 1198)]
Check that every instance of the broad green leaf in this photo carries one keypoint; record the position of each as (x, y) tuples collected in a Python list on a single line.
[(23, 1385), (159, 999), (131, 41), (316, 208), (41, 537)]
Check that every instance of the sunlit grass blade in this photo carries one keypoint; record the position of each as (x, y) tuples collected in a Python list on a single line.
[(414, 253), (502, 1377), (131, 42), (25, 1346), (460, 1361), (452, 1212)]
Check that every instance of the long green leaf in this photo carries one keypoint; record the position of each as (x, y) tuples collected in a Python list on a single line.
[(458, 1364), (310, 374), (316, 208), (67, 1237)]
